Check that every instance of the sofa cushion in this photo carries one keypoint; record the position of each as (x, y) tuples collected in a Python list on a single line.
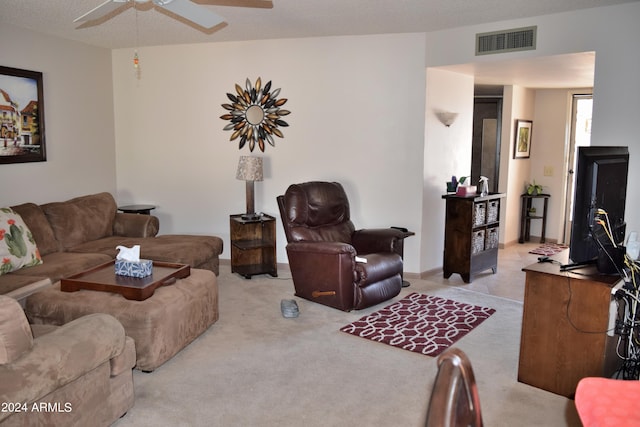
[(81, 219), (10, 283), (36, 220), (15, 333), (126, 360), (193, 250), (63, 264), (107, 245), (17, 247), (39, 330)]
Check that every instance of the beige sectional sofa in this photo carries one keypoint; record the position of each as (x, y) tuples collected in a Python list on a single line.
[(63, 376), (75, 358), (75, 235)]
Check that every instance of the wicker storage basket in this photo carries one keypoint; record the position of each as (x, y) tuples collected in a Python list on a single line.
[(477, 241), (479, 213), (493, 211), (491, 239)]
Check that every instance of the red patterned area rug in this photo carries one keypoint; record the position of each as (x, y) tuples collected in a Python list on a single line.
[(548, 249), (420, 323)]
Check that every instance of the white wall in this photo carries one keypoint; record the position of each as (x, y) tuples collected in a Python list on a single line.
[(551, 133), (611, 32), (78, 113), (616, 106), (447, 152), (519, 103), (357, 117)]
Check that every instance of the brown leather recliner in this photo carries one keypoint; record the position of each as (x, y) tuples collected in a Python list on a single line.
[(323, 244)]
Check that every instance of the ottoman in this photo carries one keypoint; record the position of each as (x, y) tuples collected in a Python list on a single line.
[(161, 325)]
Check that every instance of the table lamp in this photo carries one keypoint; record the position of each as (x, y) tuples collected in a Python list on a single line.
[(250, 170)]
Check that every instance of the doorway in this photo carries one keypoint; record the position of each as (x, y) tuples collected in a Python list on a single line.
[(581, 109), (485, 151)]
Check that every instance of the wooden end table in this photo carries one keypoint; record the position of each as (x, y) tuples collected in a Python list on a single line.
[(253, 245), (137, 209), (526, 216)]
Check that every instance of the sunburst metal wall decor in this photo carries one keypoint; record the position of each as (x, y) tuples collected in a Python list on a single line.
[(255, 114)]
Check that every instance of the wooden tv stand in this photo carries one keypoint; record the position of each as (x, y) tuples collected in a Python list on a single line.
[(564, 322)]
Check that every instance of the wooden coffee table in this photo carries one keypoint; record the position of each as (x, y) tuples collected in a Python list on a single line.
[(103, 278)]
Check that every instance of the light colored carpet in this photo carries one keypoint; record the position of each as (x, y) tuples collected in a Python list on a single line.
[(256, 368)]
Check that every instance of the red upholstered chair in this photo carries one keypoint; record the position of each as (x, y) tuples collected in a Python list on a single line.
[(605, 402), (323, 244), (454, 398)]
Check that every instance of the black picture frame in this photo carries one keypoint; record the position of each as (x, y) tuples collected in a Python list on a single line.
[(22, 136), (522, 145)]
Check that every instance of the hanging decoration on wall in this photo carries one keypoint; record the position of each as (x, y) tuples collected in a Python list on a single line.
[(21, 116), (255, 114), (136, 58)]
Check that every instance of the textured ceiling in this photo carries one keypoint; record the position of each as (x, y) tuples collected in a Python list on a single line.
[(147, 25), (287, 18)]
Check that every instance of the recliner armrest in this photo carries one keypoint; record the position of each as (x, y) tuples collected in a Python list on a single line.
[(322, 247), (372, 240), (379, 266), (135, 225)]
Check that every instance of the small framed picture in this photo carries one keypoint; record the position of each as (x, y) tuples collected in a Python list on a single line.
[(22, 116), (522, 146)]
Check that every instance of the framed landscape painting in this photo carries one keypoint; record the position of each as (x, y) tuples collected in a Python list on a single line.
[(21, 116), (522, 148)]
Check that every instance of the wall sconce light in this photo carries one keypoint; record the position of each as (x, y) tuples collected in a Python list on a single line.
[(446, 117), (250, 170)]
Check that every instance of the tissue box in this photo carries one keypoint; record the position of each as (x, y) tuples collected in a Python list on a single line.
[(142, 268), (466, 190)]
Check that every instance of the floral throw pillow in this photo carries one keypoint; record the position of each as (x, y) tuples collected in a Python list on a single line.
[(17, 247)]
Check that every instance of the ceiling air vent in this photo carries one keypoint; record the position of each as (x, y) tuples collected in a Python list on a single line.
[(506, 41)]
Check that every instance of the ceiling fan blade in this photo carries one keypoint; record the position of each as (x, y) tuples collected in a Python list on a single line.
[(98, 12), (191, 11)]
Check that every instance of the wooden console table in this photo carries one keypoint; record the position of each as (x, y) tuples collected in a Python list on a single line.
[(471, 235), (564, 322)]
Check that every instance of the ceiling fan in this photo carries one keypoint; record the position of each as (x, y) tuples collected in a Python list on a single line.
[(187, 9)]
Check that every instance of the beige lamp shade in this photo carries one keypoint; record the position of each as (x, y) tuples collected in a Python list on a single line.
[(249, 168)]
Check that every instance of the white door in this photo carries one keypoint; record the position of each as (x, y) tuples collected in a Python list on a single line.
[(581, 108)]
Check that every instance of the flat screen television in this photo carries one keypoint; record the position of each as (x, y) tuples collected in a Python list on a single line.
[(601, 183)]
